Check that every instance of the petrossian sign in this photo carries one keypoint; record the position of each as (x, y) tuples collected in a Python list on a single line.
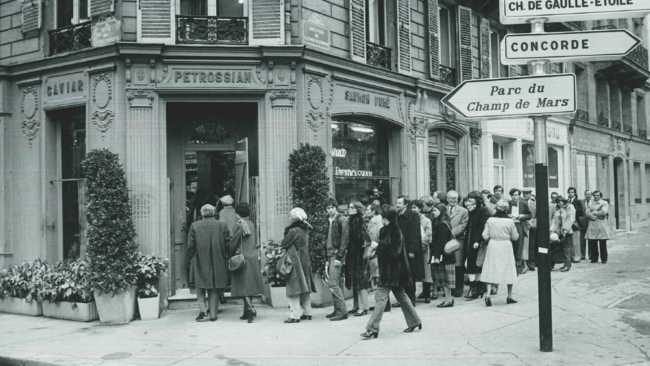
[(234, 77), (207, 76)]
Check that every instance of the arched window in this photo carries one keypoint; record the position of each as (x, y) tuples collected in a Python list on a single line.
[(210, 133), (444, 148)]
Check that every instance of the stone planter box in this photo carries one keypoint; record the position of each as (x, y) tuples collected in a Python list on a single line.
[(149, 307), (77, 311), (279, 297), (13, 305), (116, 309), (323, 296)]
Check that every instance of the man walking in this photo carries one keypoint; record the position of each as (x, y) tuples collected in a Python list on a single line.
[(409, 224), (337, 244), (459, 217)]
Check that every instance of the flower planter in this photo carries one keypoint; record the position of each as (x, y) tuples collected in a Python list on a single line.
[(279, 297), (14, 305), (77, 311), (116, 309), (149, 307)]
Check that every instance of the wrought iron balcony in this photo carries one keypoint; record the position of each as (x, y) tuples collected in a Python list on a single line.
[(582, 115), (616, 125), (639, 56), (71, 38), (627, 128), (578, 25), (448, 75), (211, 30), (602, 120), (643, 133), (378, 55), (605, 26)]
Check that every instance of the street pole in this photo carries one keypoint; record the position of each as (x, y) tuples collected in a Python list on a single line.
[(542, 238)]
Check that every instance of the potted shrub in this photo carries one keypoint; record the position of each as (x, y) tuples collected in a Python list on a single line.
[(20, 288), (112, 250), (65, 293), (273, 252), (149, 270)]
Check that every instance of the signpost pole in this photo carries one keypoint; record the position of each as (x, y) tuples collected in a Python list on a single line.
[(542, 238)]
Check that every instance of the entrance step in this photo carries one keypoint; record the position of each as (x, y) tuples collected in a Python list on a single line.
[(186, 299)]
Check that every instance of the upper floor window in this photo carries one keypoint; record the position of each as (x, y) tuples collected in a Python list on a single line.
[(376, 23), (497, 151), (223, 8), (557, 68), (447, 37), (496, 68), (69, 12)]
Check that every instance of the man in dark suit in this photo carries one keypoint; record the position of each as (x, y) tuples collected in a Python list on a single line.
[(409, 224), (572, 198), (521, 215)]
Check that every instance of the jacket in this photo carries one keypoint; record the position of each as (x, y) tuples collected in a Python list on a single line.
[(409, 224), (340, 237), (228, 217), (458, 222), (580, 219), (563, 219), (248, 280), (296, 243), (394, 270), (208, 245), (523, 211), (443, 236)]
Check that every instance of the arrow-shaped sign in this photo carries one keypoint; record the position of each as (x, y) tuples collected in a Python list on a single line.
[(519, 11), (514, 97), (602, 45)]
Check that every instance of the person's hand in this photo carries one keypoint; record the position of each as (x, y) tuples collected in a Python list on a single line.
[(564, 231), (374, 244), (436, 261), (337, 263), (411, 255), (475, 245)]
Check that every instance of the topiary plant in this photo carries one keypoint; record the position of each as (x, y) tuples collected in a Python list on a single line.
[(112, 250), (310, 186)]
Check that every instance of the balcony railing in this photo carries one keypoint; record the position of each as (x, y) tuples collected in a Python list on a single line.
[(616, 125), (639, 56), (602, 120), (378, 55), (71, 38), (627, 128), (582, 115), (606, 26), (211, 30), (448, 75), (579, 25), (643, 133)]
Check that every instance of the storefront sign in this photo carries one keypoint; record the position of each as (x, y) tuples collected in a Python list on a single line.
[(352, 173), (315, 33), (65, 87), (351, 99), (106, 32), (519, 11), (211, 77)]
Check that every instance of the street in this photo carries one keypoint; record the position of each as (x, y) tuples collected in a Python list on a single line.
[(601, 316)]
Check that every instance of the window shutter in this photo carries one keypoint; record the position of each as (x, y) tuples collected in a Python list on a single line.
[(404, 36), (548, 68), (358, 30), (99, 7), (512, 71), (156, 21), (32, 15), (485, 48), (465, 42), (434, 40), (266, 22)]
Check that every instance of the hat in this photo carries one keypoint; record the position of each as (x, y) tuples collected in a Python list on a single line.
[(527, 191), (554, 237)]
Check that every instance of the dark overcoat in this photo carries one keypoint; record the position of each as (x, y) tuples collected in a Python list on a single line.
[(207, 244), (248, 280), (474, 234), (296, 239), (394, 270), (442, 237), (355, 266), (409, 224)]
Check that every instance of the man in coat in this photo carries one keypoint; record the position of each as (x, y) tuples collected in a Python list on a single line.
[(572, 198), (459, 217), (208, 246), (228, 215), (337, 244), (521, 215), (409, 224)]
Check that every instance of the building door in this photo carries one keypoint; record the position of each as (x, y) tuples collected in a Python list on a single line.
[(241, 171), (444, 149)]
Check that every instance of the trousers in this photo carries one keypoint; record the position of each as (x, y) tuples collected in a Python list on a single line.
[(212, 302), (567, 249), (381, 299), (593, 250), (299, 305), (335, 287)]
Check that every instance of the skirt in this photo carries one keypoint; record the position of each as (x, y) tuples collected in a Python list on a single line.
[(444, 275), (499, 266)]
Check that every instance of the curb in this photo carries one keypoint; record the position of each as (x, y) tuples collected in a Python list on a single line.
[(8, 361)]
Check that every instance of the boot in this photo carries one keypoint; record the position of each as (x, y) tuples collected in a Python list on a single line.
[(472, 290), (246, 314), (252, 314)]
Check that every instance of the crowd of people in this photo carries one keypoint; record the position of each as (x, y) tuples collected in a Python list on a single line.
[(441, 240)]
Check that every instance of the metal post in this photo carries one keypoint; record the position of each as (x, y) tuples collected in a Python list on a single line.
[(542, 239)]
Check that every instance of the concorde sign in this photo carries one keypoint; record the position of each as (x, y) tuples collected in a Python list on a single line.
[(514, 97), (602, 45), (519, 11)]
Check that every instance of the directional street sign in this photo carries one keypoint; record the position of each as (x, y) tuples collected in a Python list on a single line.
[(519, 11), (602, 45), (514, 97)]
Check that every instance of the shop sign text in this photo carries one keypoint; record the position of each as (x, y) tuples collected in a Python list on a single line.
[(314, 32), (365, 98), (518, 11), (339, 153), (213, 77), (352, 172), (65, 87)]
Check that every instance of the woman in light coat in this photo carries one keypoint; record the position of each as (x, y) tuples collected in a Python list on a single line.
[(247, 281), (299, 283), (499, 265), (597, 214), (563, 219)]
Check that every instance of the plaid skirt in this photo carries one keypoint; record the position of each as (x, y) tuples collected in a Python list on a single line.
[(444, 275)]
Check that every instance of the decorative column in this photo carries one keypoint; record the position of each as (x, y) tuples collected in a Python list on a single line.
[(629, 178), (3, 187), (418, 156), (612, 193)]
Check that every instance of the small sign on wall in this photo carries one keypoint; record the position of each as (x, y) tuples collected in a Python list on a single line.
[(315, 33), (106, 32)]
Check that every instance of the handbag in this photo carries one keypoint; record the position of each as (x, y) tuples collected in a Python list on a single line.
[(480, 257), (237, 262), (284, 265), (453, 245)]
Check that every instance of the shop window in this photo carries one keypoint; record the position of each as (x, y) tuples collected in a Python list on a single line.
[(443, 160), (210, 133), (592, 173), (637, 184), (69, 12), (222, 8), (360, 163), (581, 173), (73, 151), (528, 161), (553, 168)]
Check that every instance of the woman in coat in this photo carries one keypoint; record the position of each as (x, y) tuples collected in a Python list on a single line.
[(426, 233), (499, 265), (355, 266), (299, 283), (478, 216), (563, 219), (394, 275), (247, 281), (443, 266)]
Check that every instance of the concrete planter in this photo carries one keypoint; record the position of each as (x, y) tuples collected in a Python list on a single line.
[(279, 298), (323, 296), (116, 309), (149, 307), (14, 305), (77, 311)]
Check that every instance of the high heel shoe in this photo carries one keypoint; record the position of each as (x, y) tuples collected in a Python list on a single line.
[(488, 302), (353, 311), (368, 334), (411, 329), (252, 314), (510, 301), (305, 317), (446, 304), (365, 312)]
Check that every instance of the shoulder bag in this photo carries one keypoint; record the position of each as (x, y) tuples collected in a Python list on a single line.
[(284, 265), (453, 245), (237, 262), (480, 257)]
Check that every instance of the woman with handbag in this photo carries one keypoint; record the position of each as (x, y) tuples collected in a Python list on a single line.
[(478, 216), (355, 268), (499, 265), (562, 224), (244, 261), (394, 275), (443, 263), (299, 281)]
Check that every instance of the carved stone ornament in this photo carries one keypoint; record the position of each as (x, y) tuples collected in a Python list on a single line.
[(128, 70), (140, 94), (475, 135), (331, 96), (140, 74), (164, 71), (103, 120), (315, 97), (258, 70), (283, 94), (417, 128), (448, 115), (102, 90), (29, 106), (410, 109), (30, 129)]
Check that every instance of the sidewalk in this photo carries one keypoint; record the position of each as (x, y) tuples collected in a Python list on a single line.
[(601, 316)]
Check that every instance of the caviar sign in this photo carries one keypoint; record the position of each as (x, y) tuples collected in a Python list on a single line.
[(519, 11)]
